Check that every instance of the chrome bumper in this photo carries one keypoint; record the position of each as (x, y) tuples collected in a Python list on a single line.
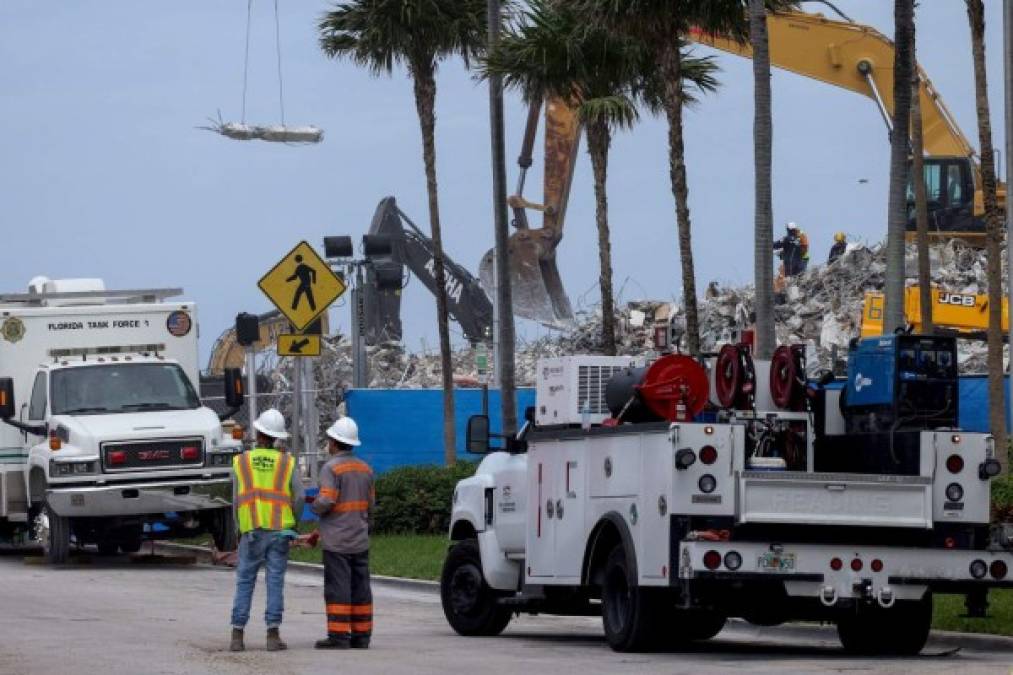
[(134, 499)]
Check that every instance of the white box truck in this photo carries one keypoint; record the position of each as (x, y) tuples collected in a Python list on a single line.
[(105, 440)]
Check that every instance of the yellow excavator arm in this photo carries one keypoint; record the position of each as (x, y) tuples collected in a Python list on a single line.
[(961, 314), (860, 59)]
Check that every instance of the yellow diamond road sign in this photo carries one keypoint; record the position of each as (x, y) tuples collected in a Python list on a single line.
[(302, 286), (298, 345)]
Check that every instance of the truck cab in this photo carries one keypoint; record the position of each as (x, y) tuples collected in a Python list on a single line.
[(106, 440)]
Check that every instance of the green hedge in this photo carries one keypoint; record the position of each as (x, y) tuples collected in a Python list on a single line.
[(417, 499), (1002, 500)]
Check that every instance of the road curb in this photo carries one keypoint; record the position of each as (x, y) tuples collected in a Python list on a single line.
[(204, 555)]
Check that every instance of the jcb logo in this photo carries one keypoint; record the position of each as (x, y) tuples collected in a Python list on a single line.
[(956, 299)]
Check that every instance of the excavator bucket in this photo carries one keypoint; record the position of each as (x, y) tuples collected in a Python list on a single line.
[(536, 287)]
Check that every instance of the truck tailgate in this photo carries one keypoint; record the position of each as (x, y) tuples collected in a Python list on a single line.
[(835, 499)]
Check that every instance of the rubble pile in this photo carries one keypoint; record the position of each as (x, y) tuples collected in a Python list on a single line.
[(821, 308)]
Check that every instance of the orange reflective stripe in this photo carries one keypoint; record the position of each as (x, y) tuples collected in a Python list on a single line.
[(339, 609), (339, 627), (360, 610), (362, 626), (351, 467), (329, 493), (281, 472), (349, 507), (246, 470)]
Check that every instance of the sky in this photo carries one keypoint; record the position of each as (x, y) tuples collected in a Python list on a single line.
[(105, 173)]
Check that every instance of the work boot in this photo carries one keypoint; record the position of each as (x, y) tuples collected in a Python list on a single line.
[(332, 643), (360, 643), (236, 644), (274, 641)]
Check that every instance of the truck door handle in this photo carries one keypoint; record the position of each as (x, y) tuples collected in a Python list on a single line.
[(836, 487)]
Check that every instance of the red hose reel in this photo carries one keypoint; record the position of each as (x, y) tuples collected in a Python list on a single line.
[(735, 377), (787, 377), (675, 388)]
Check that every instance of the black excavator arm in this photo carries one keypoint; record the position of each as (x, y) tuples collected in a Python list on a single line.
[(468, 304)]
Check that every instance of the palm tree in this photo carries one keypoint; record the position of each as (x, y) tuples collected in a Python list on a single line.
[(993, 239), (657, 26), (417, 34), (921, 200), (553, 54), (763, 133), (903, 70)]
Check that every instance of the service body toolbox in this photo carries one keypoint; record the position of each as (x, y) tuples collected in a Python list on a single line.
[(105, 432)]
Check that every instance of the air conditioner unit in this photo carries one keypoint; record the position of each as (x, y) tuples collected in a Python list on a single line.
[(565, 384)]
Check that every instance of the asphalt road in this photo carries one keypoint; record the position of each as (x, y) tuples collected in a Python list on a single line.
[(114, 616)]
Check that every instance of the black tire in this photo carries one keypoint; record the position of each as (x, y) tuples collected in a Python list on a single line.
[(56, 539), (901, 630), (223, 530), (468, 602), (628, 612), (131, 544)]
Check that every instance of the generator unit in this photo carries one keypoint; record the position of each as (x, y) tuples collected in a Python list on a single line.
[(568, 386), (901, 382)]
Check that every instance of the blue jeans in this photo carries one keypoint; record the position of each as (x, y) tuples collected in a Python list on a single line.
[(256, 549)]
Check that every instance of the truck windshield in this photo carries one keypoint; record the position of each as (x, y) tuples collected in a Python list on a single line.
[(116, 388)]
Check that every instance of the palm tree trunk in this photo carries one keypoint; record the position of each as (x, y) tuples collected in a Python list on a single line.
[(424, 80), (993, 238), (763, 134), (598, 139), (903, 15), (670, 65), (921, 204)]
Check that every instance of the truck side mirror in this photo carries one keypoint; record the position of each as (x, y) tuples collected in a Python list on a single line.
[(6, 398), (478, 434), (235, 388)]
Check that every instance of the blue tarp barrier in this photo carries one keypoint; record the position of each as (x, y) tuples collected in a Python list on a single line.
[(974, 403), (405, 426)]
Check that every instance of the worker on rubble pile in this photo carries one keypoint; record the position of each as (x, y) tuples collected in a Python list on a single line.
[(268, 494), (794, 248), (343, 504), (839, 247)]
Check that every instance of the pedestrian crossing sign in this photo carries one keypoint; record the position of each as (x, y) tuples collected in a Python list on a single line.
[(302, 286)]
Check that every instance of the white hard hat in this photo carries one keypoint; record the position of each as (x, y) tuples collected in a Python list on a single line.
[(791, 226), (271, 423), (345, 430)]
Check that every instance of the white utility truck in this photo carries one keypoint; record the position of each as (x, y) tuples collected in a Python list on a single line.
[(667, 512), (105, 440)]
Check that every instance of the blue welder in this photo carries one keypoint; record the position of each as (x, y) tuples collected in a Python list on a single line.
[(901, 382)]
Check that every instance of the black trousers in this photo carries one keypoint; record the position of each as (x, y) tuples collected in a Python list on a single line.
[(348, 596)]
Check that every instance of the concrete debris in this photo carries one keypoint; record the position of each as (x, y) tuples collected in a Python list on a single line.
[(820, 308)]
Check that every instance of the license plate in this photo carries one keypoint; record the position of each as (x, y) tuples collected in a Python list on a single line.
[(776, 562)]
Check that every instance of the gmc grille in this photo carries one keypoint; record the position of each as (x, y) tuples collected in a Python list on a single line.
[(174, 453)]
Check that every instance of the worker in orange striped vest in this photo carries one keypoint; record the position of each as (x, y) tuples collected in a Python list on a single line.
[(268, 495), (343, 504)]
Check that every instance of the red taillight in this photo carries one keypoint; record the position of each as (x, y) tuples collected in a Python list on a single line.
[(877, 565), (708, 454), (950, 542), (998, 569), (836, 564), (954, 463), (712, 560), (856, 565), (189, 453), (115, 457)]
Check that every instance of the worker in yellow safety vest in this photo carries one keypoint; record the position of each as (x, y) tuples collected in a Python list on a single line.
[(268, 497)]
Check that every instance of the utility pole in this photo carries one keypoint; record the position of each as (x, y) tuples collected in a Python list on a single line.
[(251, 385), (1008, 79), (504, 300)]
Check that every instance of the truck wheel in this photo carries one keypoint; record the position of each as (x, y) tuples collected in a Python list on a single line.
[(53, 532), (468, 602), (628, 611), (223, 530), (900, 631), (132, 540)]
